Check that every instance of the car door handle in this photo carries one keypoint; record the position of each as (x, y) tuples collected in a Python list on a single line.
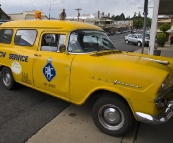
[(37, 55)]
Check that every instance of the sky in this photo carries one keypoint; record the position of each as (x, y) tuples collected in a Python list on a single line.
[(53, 7)]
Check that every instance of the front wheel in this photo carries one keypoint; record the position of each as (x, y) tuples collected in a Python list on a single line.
[(112, 116), (7, 79), (127, 42), (139, 44)]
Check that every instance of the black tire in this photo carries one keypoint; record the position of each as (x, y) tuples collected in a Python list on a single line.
[(127, 42), (120, 116), (139, 44), (7, 79)]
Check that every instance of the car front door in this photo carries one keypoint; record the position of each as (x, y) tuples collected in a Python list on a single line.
[(135, 39), (130, 38), (51, 69)]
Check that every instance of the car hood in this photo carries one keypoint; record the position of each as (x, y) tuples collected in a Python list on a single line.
[(158, 62)]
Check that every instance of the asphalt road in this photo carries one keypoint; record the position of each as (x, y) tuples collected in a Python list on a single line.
[(118, 41), (24, 111)]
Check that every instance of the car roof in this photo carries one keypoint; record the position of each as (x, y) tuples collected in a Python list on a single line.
[(47, 24)]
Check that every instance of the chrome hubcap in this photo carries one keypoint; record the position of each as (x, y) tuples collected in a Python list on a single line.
[(7, 79), (111, 117)]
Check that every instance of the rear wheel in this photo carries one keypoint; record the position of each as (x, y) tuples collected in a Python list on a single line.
[(127, 42), (112, 116), (7, 79)]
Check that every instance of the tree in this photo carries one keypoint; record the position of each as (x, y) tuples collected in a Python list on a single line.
[(135, 15), (148, 22), (118, 17), (139, 14), (164, 27), (137, 22), (115, 17), (122, 16), (128, 18)]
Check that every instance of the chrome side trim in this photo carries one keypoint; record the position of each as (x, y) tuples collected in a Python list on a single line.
[(126, 84), (159, 119), (158, 61)]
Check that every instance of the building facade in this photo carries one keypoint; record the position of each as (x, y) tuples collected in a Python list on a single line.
[(3, 16), (26, 15)]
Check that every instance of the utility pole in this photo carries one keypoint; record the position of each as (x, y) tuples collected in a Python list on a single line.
[(78, 9), (0, 12), (145, 19), (49, 10)]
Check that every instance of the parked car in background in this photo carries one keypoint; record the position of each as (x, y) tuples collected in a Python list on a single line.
[(126, 38), (147, 34), (117, 32), (125, 31), (133, 31), (136, 39)]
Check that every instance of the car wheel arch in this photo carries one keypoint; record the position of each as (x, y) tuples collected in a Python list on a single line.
[(94, 96), (1, 67)]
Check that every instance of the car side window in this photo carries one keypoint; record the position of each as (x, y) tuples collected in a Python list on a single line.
[(52, 42), (6, 36), (25, 37), (134, 36)]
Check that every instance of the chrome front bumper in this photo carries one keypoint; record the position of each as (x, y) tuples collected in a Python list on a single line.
[(159, 119)]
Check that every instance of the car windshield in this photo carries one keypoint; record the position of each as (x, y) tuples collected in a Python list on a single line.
[(84, 41)]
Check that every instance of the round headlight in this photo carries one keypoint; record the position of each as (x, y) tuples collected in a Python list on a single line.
[(163, 85)]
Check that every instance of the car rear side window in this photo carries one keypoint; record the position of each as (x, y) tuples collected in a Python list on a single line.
[(6, 36), (25, 37)]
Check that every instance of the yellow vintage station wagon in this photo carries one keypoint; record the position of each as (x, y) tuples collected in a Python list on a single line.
[(77, 62)]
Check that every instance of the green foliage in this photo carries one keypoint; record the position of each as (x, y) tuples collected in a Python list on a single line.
[(139, 14), (118, 17), (138, 21), (148, 22), (164, 27), (135, 15), (161, 39), (122, 16), (128, 18)]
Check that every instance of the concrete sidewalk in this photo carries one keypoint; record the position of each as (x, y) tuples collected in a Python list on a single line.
[(75, 125), (166, 51)]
